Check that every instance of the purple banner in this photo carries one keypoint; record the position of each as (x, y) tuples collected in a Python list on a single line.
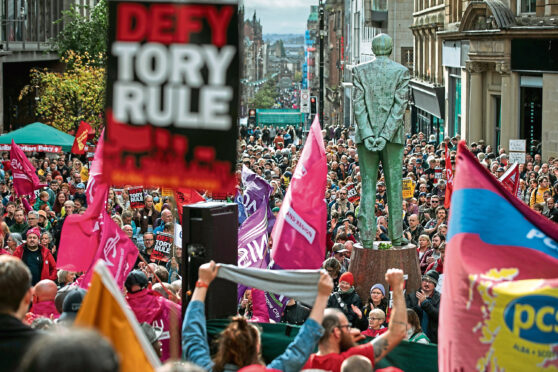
[(256, 193)]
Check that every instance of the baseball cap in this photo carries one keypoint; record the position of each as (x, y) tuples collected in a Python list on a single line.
[(72, 304), (80, 185)]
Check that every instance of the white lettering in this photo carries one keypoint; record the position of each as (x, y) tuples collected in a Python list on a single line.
[(300, 225)]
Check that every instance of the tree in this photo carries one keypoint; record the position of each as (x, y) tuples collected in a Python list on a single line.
[(84, 34), (266, 96), (65, 99)]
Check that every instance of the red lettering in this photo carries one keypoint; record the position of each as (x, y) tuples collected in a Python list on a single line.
[(189, 22), (161, 30), (219, 23), (131, 22)]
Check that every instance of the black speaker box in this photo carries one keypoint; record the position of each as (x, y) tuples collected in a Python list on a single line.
[(210, 232)]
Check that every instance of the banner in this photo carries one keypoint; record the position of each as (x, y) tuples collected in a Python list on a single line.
[(184, 196), (408, 188), (300, 229), (510, 179), (352, 193), (80, 141), (95, 171), (172, 94), (25, 179), (162, 250), (500, 293), (105, 309), (34, 148), (136, 197), (252, 241)]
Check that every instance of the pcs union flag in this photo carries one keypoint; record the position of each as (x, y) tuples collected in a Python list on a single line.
[(499, 309)]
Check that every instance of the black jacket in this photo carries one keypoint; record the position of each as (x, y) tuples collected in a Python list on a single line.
[(429, 308), (343, 302), (15, 338), (295, 314)]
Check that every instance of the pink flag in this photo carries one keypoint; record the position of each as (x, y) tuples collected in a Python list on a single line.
[(85, 228), (25, 179), (300, 229), (96, 170), (116, 249)]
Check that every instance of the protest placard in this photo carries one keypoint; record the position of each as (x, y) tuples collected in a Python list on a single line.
[(408, 188), (162, 250), (172, 94), (352, 193), (136, 197)]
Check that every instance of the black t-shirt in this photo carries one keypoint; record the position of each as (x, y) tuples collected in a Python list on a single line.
[(34, 262)]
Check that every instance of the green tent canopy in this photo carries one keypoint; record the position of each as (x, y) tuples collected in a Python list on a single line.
[(38, 134), (279, 117)]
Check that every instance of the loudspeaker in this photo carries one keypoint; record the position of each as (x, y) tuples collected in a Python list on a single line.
[(210, 232)]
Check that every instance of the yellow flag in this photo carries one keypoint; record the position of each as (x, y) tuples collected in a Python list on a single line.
[(105, 309)]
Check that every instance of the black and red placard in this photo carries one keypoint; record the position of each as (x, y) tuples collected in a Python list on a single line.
[(172, 94), (162, 250), (136, 197)]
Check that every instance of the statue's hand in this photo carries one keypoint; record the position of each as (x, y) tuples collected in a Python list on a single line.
[(370, 144), (380, 143)]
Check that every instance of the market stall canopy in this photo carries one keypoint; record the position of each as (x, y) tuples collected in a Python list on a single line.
[(37, 137)]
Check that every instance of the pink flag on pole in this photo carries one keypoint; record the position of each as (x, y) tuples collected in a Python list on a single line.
[(300, 229), (84, 229), (116, 249), (25, 179)]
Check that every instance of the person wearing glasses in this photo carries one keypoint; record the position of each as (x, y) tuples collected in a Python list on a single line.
[(338, 340), (342, 205), (376, 321)]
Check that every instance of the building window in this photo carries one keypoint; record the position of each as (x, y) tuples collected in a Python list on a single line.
[(528, 6), (407, 58)]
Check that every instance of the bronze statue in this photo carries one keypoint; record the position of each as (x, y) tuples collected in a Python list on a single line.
[(379, 103)]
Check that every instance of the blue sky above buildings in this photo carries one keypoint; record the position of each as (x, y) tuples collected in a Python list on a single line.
[(280, 16)]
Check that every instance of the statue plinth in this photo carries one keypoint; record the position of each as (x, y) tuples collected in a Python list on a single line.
[(369, 267)]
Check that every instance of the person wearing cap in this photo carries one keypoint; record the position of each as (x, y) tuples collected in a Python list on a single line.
[(339, 251), (38, 259), (426, 303), (376, 300), (150, 307), (80, 194), (71, 305), (346, 299)]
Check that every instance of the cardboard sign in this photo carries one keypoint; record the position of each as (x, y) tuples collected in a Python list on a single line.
[(352, 193), (519, 145), (136, 198), (166, 191), (516, 157), (172, 94), (438, 172), (408, 188), (162, 250)]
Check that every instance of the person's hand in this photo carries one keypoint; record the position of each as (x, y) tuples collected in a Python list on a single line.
[(141, 266), (380, 143), (53, 249), (395, 278), (357, 311), (207, 272), (333, 223), (370, 144), (430, 259), (325, 284), (421, 297), (245, 303), (356, 335)]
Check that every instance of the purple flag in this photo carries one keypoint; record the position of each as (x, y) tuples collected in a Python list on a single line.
[(252, 244), (256, 193)]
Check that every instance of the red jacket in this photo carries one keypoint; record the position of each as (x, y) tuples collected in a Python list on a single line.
[(49, 264)]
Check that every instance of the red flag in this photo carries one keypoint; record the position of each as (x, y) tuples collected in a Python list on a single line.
[(83, 133), (499, 285), (449, 178), (25, 179), (185, 196), (300, 228), (510, 179)]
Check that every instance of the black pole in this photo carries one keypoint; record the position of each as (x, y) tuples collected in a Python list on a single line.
[(321, 93)]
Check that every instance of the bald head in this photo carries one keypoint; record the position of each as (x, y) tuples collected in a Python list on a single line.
[(45, 290), (356, 363)]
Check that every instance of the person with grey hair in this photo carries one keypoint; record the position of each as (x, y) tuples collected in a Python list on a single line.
[(14, 240)]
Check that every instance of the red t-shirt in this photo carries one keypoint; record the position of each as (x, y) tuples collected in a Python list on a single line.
[(332, 362)]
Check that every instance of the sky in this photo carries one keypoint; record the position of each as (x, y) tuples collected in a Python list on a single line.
[(280, 16)]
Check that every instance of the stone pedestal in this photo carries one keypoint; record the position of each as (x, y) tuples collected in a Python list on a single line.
[(369, 267)]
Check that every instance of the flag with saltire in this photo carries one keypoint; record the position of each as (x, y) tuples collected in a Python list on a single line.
[(105, 309)]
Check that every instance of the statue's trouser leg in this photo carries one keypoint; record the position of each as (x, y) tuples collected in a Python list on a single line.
[(368, 163), (392, 162)]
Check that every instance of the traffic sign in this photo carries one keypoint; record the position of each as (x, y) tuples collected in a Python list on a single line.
[(305, 101)]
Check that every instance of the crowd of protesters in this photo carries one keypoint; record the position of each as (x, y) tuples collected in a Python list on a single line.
[(31, 230)]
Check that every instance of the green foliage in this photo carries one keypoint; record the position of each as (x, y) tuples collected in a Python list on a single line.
[(298, 76), (266, 96), (84, 34), (384, 246), (65, 99)]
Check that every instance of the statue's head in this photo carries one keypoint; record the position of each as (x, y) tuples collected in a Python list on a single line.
[(382, 45)]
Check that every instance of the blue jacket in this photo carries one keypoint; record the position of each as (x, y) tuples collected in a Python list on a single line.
[(196, 349)]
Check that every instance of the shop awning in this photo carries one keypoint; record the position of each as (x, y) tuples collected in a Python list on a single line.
[(40, 137)]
